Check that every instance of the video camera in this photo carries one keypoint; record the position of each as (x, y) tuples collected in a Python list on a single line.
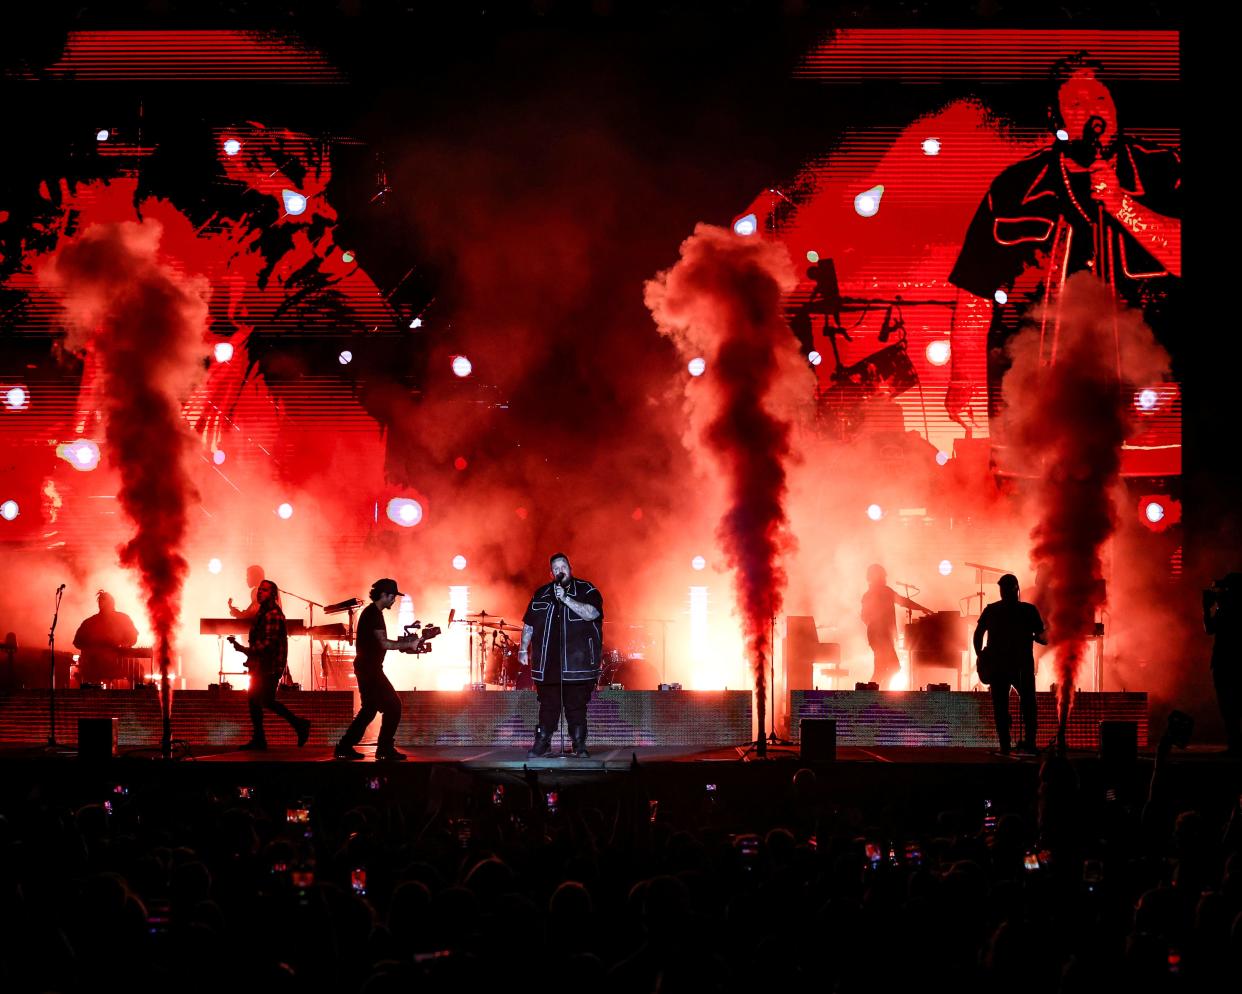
[(418, 641)]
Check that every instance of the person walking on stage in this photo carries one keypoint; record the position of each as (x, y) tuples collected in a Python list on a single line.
[(378, 695), (1222, 619), (564, 625), (1012, 626), (266, 658)]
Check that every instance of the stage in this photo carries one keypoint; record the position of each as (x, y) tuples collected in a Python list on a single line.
[(620, 721)]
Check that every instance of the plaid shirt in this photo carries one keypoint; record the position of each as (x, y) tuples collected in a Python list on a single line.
[(269, 641)]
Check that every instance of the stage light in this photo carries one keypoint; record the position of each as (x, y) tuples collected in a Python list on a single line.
[(102, 135), (218, 457), (416, 323), (295, 203), (746, 225), (1159, 511), (867, 203), (939, 351), (405, 511), (931, 146), (9, 510), (285, 511), (698, 562), (462, 366), (214, 566), (814, 358), (224, 351), (82, 455), (945, 567), (875, 512), (345, 358), (16, 398), (1001, 297), (1062, 135), (812, 256), (459, 562), (697, 366), (1147, 399), (347, 256), (942, 457), (231, 147), (460, 463)]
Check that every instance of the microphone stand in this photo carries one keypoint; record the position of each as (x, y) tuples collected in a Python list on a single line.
[(51, 672), (310, 638)]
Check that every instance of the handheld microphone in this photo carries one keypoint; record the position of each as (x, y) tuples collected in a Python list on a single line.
[(60, 589)]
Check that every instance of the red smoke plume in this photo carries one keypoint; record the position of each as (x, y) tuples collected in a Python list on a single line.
[(144, 322), (1069, 398), (722, 301)]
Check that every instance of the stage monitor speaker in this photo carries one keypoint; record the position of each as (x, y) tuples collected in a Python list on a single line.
[(818, 740), (96, 738), (1118, 742)]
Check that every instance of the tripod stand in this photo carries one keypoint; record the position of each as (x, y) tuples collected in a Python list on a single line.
[(760, 745), (51, 672)]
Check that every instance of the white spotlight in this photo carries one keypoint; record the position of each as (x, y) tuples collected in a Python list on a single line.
[(462, 366), (232, 147), (1147, 399), (814, 358), (1001, 297), (1154, 511), (697, 366), (459, 562), (1062, 135), (939, 351), (16, 398), (285, 511), (745, 226), (224, 351), (931, 146), (404, 511), (875, 512), (867, 203), (416, 323), (218, 457), (345, 358), (945, 567), (698, 562), (214, 566), (812, 256), (295, 203), (102, 135), (9, 510), (82, 455), (942, 457)]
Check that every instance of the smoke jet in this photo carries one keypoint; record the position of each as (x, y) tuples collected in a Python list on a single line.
[(1069, 407), (144, 322), (722, 301)]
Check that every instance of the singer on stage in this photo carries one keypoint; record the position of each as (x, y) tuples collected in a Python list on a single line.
[(1045, 217), (879, 614), (561, 638)]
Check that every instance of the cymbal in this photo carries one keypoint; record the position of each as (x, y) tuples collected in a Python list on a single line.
[(501, 626)]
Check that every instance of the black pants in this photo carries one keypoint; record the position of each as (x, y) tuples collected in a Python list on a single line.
[(378, 697), (261, 694), (1023, 681), (577, 696), (1227, 679)]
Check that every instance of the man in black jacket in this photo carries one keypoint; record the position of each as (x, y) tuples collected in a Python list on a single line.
[(267, 657), (563, 624)]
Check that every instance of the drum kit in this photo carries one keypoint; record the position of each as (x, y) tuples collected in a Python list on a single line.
[(494, 654)]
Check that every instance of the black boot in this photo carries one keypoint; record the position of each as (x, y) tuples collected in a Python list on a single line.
[(543, 743), (578, 733)]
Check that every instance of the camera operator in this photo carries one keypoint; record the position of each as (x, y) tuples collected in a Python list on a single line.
[(1222, 619)]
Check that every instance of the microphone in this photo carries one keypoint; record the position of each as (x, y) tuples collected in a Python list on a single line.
[(60, 589), (452, 611)]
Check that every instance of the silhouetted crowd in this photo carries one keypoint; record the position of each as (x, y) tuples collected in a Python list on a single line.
[(1130, 878)]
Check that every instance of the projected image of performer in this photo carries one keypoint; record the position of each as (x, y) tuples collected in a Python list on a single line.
[(377, 692), (1222, 619), (1012, 626), (100, 640), (254, 577), (1093, 191), (267, 656), (561, 640), (879, 614)]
